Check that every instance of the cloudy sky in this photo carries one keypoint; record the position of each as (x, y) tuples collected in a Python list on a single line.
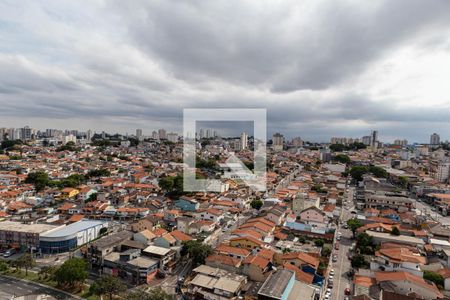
[(320, 68)]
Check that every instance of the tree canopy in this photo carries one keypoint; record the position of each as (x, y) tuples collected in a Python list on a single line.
[(342, 158), (108, 285), (256, 204), (197, 250), (72, 271), (354, 224)]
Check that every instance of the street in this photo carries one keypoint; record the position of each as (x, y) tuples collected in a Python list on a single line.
[(14, 287), (423, 208), (342, 265)]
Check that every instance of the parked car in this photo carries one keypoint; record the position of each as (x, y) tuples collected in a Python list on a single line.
[(9, 253), (347, 291)]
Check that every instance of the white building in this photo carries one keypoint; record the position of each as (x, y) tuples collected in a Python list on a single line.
[(244, 141)]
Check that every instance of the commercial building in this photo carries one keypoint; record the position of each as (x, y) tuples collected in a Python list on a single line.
[(66, 238), (16, 234)]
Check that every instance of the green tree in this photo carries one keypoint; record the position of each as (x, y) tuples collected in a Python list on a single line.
[(358, 261), (159, 294), (72, 271), (378, 172), (364, 243), (166, 183), (155, 294), (395, 230), (256, 204), (108, 285), (357, 172), (98, 173), (92, 197), (326, 251), (434, 277), (47, 272), (342, 158), (197, 250), (3, 266), (39, 179), (319, 242), (26, 262), (354, 224), (403, 181)]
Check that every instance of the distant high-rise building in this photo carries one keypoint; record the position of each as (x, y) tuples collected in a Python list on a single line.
[(366, 140), (209, 133), (162, 134), (443, 172), (374, 138), (172, 137), (89, 135), (201, 133), (103, 135), (155, 135), (244, 141), (277, 141), (435, 139), (25, 133), (400, 142), (297, 142), (139, 134)]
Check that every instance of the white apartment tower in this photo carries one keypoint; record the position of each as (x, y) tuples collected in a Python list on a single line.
[(244, 141), (162, 134), (277, 141), (139, 134)]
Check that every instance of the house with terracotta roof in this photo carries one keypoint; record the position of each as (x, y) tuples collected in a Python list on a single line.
[(145, 236), (445, 273), (247, 242), (299, 274), (398, 259), (180, 237), (223, 261), (406, 283), (231, 251), (165, 241), (314, 216), (256, 267)]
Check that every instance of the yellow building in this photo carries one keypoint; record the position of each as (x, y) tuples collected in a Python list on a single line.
[(246, 242), (67, 193)]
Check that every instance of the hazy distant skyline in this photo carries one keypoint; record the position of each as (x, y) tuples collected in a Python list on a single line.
[(320, 68)]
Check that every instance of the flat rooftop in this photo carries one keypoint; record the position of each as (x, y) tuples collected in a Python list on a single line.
[(396, 238), (73, 228), (26, 228), (276, 284)]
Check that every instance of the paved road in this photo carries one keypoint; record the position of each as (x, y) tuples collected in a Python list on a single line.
[(14, 287), (425, 209), (342, 265)]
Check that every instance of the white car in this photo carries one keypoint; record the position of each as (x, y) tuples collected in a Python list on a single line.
[(332, 272)]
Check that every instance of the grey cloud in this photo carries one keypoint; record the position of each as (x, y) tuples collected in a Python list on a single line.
[(273, 47)]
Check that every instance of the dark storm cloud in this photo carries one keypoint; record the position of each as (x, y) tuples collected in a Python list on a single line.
[(273, 46), (138, 64)]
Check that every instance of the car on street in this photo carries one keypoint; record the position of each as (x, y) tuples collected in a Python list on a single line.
[(347, 291), (9, 252), (334, 258)]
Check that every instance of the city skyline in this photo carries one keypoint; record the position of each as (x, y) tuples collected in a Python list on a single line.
[(368, 138)]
